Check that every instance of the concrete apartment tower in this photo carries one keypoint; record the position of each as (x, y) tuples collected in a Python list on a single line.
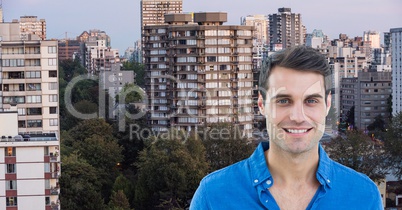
[(153, 13), (29, 119), (286, 29), (198, 72), (30, 25), (396, 63), (260, 23)]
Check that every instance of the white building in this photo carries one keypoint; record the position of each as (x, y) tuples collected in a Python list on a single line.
[(396, 54), (29, 119), (29, 168)]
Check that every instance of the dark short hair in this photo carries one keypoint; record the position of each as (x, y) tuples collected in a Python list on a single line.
[(299, 58)]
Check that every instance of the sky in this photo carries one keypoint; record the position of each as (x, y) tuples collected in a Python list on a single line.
[(120, 19)]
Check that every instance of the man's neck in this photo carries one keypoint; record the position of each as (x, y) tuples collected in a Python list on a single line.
[(292, 169)]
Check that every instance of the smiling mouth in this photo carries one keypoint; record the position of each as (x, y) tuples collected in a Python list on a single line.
[(297, 131)]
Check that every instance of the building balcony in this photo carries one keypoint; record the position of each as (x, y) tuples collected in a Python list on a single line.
[(54, 191), (54, 206), (53, 159)]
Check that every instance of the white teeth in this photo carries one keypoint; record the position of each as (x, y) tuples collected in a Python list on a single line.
[(296, 131)]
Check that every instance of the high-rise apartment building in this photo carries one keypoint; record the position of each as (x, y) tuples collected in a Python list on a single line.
[(29, 167), (373, 37), (260, 23), (198, 73), (153, 11), (396, 63), (29, 118), (31, 25), (97, 52), (286, 28), (368, 93)]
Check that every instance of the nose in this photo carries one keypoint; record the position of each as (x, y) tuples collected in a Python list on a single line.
[(297, 113)]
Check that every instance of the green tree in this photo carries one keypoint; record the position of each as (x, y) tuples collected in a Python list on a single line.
[(393, 144), (79, 184), (133, 94), (87, 128), (359, 152), (103, 154), (84, 90), (170, 170), (68, 69), (225, 145), (123, 184), (119, 201)]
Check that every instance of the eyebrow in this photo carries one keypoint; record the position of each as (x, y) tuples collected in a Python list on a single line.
[(314, 95)]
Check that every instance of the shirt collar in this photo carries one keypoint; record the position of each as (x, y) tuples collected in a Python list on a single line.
[(259, 170), (258, 166), (324, 167)]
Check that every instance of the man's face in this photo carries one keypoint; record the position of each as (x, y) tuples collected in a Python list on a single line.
[(295, 109)]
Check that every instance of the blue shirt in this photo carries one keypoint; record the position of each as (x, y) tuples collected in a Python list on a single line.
[(245, 185)]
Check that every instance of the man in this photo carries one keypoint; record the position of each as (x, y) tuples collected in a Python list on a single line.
[(292, 171)]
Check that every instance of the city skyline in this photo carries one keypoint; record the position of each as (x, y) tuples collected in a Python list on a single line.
[(123, 22)]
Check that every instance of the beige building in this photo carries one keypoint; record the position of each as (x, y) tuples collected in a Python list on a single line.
[(29, 118), (198, 73), (153, 11), (260, 24), (30, 25), (373, 37), (98, 54)]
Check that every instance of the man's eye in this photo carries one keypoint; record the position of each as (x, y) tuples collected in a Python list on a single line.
[(282, 101), (311, 101)]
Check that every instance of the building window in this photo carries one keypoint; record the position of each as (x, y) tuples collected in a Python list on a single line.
[(211, 58), (33, 86), (11, 184), (34, 123), (47, 200), (52, 110), (34, 111), (10, 169), (47, 184), (11, 201), (46, 151), (52, 61), (52, 49), (53, 122), (9, 151), (21, 124), (21, 111), (32, 74), (52, 73), (53, 86), (34, 99), (53, 98), (47, 167)]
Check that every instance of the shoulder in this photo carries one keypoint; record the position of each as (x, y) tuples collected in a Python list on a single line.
[(214, 188), (348, 179), (342, 171), (227, 174)]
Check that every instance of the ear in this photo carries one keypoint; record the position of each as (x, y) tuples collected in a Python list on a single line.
[(329, 101), (261, 104)]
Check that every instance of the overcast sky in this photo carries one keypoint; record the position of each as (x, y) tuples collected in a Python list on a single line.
[(120, 19)]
